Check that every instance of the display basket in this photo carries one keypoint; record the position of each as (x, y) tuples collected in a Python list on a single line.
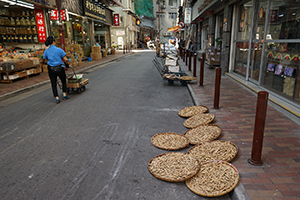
[(170, 141), (192, 110), (216, 178), (174, 166), (203, 133)]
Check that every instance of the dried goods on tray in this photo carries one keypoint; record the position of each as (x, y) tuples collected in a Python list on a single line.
[(174, 167), (199, 119), (203, 133), (170, 141), (192, 110)]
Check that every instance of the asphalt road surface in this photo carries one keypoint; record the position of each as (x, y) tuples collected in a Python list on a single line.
[(97, 144)]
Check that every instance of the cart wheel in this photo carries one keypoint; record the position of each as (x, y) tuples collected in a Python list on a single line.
[(68, 90), (183, 83), (83, 88), (170, 82), (79, 90)]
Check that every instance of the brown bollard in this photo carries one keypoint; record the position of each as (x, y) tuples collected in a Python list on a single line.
[(259, 126), (201, 70), (186, 56), (180, 52), (217, 87), (190, 60), (183, 56), (124, 49), (195, 64)]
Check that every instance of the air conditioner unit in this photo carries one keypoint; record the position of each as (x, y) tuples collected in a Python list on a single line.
[(165, 34), (162, 7)]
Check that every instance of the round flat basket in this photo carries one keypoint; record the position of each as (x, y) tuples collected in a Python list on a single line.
[(192, 110), (199, 119), (174, 166), (216, 178), (170, 141), (188, 78), (203, 133), (215, 150)]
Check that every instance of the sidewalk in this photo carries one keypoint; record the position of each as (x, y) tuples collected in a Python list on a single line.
[(279, 176), (19, 85)]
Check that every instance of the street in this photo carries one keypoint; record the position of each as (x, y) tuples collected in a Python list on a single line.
[(97, 144)]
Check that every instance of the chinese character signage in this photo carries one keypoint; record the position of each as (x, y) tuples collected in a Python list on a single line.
[(54, 15), (39, 16), (187, 15), (116, 20), (95, 11)]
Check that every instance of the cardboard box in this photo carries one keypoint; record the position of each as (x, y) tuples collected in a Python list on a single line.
[(45, 68), (95, 56), (96, 49)]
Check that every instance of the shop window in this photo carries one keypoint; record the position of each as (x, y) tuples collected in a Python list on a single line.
[(172, 2), (245, 17), (172, 15), (161, 15), (283, 21), (281, 69)]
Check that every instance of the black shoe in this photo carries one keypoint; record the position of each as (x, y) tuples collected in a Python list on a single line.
[(57, 101), (66, 97)]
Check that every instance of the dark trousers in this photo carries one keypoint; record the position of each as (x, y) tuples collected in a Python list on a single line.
[(53, 78)]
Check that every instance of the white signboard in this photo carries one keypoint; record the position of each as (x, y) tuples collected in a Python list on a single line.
[(120, 41), (120, 32), (187, 15)]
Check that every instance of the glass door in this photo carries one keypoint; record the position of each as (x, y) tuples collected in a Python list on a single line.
[(257, 41)]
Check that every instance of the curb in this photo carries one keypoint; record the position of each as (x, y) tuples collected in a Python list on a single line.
[(26, 89), (239, 193)]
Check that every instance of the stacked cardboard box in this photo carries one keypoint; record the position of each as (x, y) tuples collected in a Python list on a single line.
[(96, 53), (74, 52)]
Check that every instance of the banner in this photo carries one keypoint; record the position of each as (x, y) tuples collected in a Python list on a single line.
[(39, 16), (116, 20), (187, 15), (54, 15)]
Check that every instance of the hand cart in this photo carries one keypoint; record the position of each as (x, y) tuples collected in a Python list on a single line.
[(171, 72), (74, 82)]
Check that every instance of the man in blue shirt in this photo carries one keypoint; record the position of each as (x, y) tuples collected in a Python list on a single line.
[(57, 61)]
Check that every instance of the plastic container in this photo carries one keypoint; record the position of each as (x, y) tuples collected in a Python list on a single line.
[(89, 59)]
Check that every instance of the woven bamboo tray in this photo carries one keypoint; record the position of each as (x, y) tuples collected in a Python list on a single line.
[(192, 110), (174, 166), (203, 133), (199, 119), (188, 78), (215, 150), (170, 141), (216, 178)]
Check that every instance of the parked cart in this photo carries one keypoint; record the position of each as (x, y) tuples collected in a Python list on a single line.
[(170, 70)]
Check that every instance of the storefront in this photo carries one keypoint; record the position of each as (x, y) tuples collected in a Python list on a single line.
[(267, 45), (24, 27)]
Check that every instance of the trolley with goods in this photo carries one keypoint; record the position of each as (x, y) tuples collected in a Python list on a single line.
[(75, 82), (170, 70)]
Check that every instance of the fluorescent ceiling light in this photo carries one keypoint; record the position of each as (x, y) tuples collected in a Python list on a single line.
[(26, 6), (11, 2)]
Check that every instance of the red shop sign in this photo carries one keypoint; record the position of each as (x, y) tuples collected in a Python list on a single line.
[(116, 20), (54, 15), (39, 16)]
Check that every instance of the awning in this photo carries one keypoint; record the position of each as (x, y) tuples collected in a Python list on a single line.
[(173, 28)]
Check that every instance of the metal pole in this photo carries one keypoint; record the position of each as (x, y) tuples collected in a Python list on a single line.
[(259, 126), (183, 56), (186, 56), (195, 64), (201, 70), (123, 48), (190, 60), (60, 28), (217, 87)]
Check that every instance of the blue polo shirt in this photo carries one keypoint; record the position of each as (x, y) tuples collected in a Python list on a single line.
[(54, 55)]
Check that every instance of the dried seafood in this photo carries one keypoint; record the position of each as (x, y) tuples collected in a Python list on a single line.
[(215, 150), (215, 178), (199, 119), (192, 110), (170, 141), (174, 167), (203, 133)]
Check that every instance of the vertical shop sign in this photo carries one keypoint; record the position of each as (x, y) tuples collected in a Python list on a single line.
[(187, 15), (40, 25), (116, 20), (273, 16)]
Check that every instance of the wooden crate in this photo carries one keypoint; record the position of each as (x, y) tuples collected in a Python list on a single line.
[(77, 85)]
